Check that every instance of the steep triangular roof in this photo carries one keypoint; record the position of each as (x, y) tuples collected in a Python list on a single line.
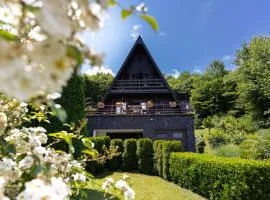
[(140, 42)]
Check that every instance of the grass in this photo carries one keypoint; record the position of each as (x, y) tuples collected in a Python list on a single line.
[(148, 187)]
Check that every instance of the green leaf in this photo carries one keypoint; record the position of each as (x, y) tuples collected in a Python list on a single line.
[(125, 13), (88, 143), (92, 153), (8, 36), (112, 3), (75, 53), (59, 112), (150, 20)]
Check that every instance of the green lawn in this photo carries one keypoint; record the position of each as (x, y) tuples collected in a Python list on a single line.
[(148, 187)]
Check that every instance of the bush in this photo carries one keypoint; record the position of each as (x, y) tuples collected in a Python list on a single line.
[(217, 139), (145, 155), (116, 162), (95, 167), (229, 150), (157, 156), (129, 155), (167, 148), (100, 142), (221, 178), (162, 150)]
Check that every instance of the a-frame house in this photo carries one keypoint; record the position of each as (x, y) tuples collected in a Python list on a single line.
[(140, 103)]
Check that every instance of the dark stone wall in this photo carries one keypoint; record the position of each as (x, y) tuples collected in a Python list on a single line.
[(151, 124)]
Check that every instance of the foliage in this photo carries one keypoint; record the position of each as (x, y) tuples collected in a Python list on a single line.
[(101, 142), (248, 148), (253, 61), (115, 163), (145, 155), (221, 178), (129, 157), (162, 150), (263, 143), (208, 91), (167, 148), (157, 155), (95, 86), (229, 150), (181, 84), (230, 130)]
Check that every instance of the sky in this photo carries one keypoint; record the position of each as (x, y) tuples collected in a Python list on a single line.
[(192, 33)]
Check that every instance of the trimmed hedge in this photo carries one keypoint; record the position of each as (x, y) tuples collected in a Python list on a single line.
[(221, 178), (162, 150), (100, 142), (167, 148), (130, 161), (158, 145), (116, 162), (145, 155)]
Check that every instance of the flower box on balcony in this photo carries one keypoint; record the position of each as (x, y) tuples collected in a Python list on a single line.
[(101, 105), (172, 104), (149, 104)]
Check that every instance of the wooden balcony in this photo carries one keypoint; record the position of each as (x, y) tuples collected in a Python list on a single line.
[(139, 85), (157, 109)]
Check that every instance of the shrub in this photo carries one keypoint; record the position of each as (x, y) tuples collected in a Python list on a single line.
[(116, 162), (229, 150), (145, 155), (95, 167), (129, 155), (158, 160), (217, 139), (100, 142), (167, 148), (157, 155), (221, 178), (162, 150)]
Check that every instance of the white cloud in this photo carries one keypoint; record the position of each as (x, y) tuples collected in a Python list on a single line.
[(175, 73), (197, 70), (95, 70), (135, 32), (227, 58), (162, 33)]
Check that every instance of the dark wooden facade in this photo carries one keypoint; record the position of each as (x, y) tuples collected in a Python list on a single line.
[(140, 93)]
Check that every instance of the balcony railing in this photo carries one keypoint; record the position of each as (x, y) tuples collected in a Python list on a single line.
[(160, 109), (143, 84)]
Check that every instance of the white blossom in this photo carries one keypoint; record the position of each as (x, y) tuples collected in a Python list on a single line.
[(38, 189), (107, 184), (54, 18), (79, 177), (3, 122), (26, 163), (129, 194)]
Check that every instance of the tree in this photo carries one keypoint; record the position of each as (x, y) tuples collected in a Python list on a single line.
[(95, 86), (208, 89), (253, 61), (181, 84)]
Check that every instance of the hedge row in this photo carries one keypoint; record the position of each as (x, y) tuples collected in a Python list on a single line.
[(162, 151), (130, 161), (221, 178), (145, 155)]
